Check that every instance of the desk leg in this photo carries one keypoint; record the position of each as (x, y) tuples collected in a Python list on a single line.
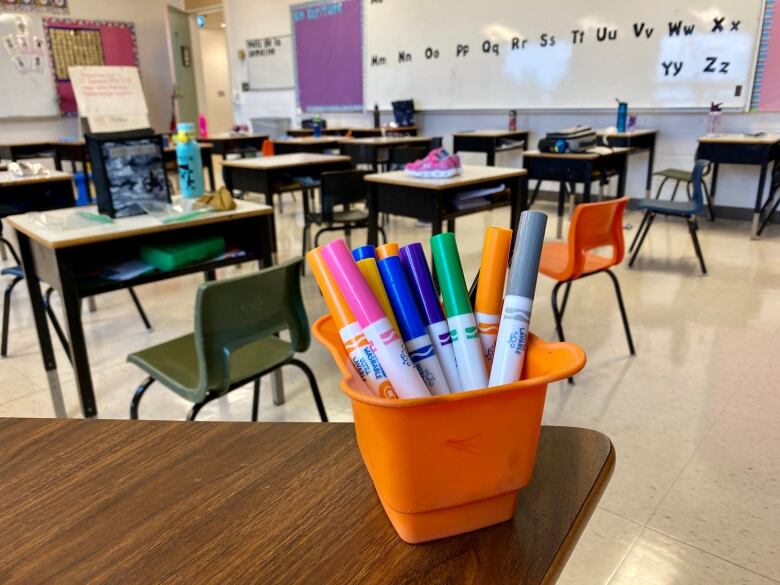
[(491, 157), (650, 165), (561, 200), (518, 200), (621, 186), (41, 326), (269, 200), (754, 230), (373, 215), (210, 168), (714, 181)]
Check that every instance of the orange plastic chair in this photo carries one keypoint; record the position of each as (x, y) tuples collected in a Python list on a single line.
[(268, 148), (594, 225)]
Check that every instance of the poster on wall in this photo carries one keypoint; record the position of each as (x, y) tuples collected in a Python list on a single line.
[(328, 45), (56, 6), (766, 85), (111, 98), (83, 43), (269, 63)]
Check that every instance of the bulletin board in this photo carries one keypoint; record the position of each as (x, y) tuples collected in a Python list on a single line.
[(83, 43), (328, 46), (56, 6), (766, 86)]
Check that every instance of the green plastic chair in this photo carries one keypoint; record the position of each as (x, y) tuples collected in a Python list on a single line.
[(235, 340)]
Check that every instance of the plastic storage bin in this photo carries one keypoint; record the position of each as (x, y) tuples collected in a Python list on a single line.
[(450, 464), (171, 256)]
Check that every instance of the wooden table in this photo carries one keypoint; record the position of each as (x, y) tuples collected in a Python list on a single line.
[(34, 193), (235, 143), (375, 150), (306, 144), (432, 199), (576, 168), (272, 175), (163, 502), (747, 149), (490, 142), (67, 260), (642, 140)]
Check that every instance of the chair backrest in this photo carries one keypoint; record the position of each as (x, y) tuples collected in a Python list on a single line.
[(359, 153), (700, 170), (402, 155), (595, 225), (341, 188), (436, 142), (246, 308)]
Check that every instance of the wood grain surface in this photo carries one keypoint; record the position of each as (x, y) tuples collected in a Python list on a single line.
[(88, 501)]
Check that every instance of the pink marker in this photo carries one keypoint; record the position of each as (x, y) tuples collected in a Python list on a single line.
[(386, 343)]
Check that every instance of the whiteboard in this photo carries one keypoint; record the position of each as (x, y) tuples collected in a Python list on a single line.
[(468, 54), (26, 80), (269, 63)]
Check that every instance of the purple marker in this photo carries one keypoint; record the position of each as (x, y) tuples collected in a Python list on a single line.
[(416, 265)]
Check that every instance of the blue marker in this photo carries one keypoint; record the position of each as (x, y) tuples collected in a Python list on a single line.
[(413, 331), (363, 252)]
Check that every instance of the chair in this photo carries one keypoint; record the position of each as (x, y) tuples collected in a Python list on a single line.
[(436, 142), (402, 155), (337, 188), (683, 176), (687, 209), (235, 340), (593, 225)]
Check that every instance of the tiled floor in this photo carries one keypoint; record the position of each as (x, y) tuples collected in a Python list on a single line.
[(695, 497)]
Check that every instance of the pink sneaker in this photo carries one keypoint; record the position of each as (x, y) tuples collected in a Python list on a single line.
[(438, 164)]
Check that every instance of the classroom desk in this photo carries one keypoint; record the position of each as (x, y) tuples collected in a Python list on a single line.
[(305, 132), (49, 191), (270, 175), (577, 168), (306, 144), (638, 140), (490, 142), (225, 144), (375, 150), (20, 150), (431, 199), (206, 157), (66, 261), (221, 502), (744, 149)]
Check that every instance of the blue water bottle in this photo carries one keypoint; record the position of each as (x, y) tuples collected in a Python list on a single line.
[(622, 116), (189, 162)]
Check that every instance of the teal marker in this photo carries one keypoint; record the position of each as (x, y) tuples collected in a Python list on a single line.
[(460, 318)]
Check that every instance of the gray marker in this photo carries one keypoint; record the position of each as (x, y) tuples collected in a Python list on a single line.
[(516, 312)]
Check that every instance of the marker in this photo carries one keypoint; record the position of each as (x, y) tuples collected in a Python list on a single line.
[(416, 266), (385, 342), (370, 272), (463, 326), (413, 332), (363, 252), (490, 288), (383, 252), (365, 361), (521, 285)]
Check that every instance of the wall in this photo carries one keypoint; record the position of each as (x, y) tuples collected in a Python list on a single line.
[(151, 38), (676, 139)]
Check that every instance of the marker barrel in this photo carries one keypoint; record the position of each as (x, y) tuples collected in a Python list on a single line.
[(490, 287), (370, 272), (395, 360), (468, 351), (386, 250), (363, 252)]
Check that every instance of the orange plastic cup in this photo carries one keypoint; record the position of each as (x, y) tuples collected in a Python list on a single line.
[(454, 463)]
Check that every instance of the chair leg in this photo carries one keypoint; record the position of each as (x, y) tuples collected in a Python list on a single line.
[(693, 228), (661, 188), (674, 192), (535, 193), (565, 297), (623, 315), (7, 314), (314, 388), (139, 393), (255, 400), (5, 244), (639, 231), (140, 309), (384, 235), (348, 236), (197, 407), (305, 237), (642, 238), (556, 312), (55, 322)]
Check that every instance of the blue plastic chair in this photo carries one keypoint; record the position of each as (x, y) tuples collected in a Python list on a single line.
[(687, 209)]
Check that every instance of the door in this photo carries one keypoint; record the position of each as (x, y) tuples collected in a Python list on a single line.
[(186, 97)]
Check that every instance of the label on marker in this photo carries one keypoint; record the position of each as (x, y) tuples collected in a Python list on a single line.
[(365, 361), (423, 356), (512, 340), (392, 354), (487, 325), (468, 351), (442, 343)]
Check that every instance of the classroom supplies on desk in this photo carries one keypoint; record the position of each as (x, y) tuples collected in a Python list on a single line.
[(389, 249), (714, 118), (222, 200), (518, 302), (416, 265), (622, 115), (360, 352), (370, 272), (23, 168), (512, 120), (457, 307), (477, 197), (437, 164), (189, 162), (363, 252), (128, 169), (376, 325), (576, 139), (490, 288), (174, 212), (126, 270), (403, 112), (170, 256), (413, 331)]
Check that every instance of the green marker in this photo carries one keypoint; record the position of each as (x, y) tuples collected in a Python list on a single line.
[(460, 318)]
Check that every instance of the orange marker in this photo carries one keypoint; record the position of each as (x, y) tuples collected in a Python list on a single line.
[(490, 288), (356, 344), (370, 272), (383, 252)]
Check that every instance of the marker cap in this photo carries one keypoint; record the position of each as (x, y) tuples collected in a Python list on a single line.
[(370, 272), (492, 270), (528, 250), (357, 293), (450, 274), (416, 265), (401, 298), (390, 249), (363, 252), (337, 306)]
